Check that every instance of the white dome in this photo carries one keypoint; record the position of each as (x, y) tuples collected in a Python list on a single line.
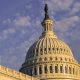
[(49, 55)]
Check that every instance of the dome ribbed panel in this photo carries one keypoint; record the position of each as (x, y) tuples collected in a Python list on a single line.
[(49, 45)]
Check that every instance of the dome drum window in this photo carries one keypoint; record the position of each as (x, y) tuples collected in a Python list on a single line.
[(49, 49), (57, 49), (66, 69), (61, 68), (40, 59), (69, 70), (61, 59), (41, 49), (56, 69), (36, 50), (45, 69), (44, 49), (56, 58), (53, 49), (51, 69), (50, 58), (73, 70), (40, 69), (35, 71), (45, 59)]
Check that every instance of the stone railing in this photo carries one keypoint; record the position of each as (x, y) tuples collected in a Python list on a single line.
[(15, 74)]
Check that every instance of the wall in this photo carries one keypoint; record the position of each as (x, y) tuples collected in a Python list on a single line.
[(9, 74)]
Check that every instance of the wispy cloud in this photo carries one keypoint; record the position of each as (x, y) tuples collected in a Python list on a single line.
[(75, 8), (65, 24), (6, 33), (22, 21)]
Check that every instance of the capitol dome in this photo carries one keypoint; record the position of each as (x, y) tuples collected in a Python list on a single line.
[(49, 57)]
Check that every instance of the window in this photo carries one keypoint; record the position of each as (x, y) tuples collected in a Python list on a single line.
[(69, 70), (51, 58), (61, 69), (56, 69), (44, 49), (64, 49), (66, 69), (40, 69), (61, 49), (49, 49), (57, 49), (41, 49), (45, 69), (65, 59), (61, 59), (40, 59), (45, 59), (55, 58), (69, 60), (35, 71), (51, 69), (73, 70), (36, 50), (53, 48)]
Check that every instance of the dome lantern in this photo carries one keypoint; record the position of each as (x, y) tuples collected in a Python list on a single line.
[(47, 22)]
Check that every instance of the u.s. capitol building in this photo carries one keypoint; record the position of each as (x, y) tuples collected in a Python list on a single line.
[(49, 58)]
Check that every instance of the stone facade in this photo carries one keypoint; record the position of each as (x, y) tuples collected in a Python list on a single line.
[(9, 74)]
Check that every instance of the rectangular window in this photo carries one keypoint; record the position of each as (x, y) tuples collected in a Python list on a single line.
[(40, 69)]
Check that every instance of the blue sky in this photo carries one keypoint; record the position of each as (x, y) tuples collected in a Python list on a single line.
[(20, 27)]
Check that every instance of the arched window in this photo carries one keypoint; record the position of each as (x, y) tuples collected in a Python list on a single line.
[(40, 59), (53, 49), (69, 70), (65, 59), (45, 59), (51, 69), (61, 69), (61, 49), (57, 49), (51, 58), (66, 69), (56, 69), (36, 50), (35, 71), (45, 69), (41, 51), (56, 58), (61, 59), (73, 70), (40, 69), (49, 49)]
